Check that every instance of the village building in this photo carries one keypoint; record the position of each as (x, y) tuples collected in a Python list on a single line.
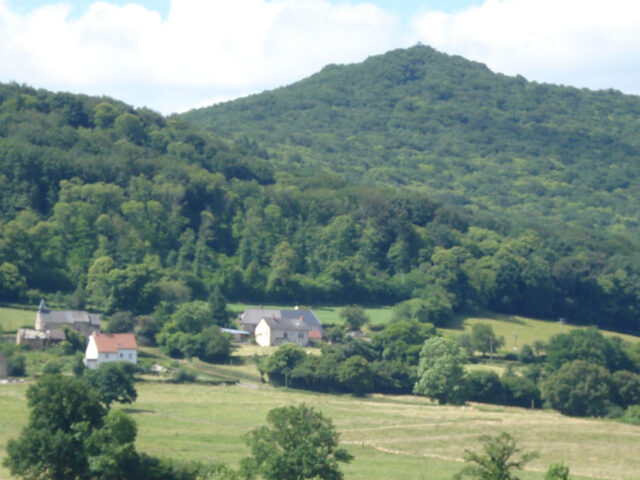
[(50, 320), (250, 319), (110, 347), (277, 331)]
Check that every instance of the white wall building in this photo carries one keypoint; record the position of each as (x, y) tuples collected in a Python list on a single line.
[(277, 331), (116, 347)]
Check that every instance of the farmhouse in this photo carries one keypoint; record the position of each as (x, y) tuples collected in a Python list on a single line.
[(249, 320), (110, 347), (51, 320), (276, 331)]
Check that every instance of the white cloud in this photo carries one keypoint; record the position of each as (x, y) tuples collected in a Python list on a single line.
[(211, 50), (590, 43), (203, 49)]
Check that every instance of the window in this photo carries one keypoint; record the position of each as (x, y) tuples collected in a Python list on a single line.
[(285, 334), (300, 335), (121, 355)]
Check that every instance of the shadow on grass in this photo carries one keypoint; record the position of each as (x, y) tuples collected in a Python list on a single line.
[(137, 410)]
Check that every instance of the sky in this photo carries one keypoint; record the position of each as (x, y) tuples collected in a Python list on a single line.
[(174, 55)]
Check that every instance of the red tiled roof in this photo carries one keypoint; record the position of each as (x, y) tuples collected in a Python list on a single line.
[(315, 334), (112, 342)]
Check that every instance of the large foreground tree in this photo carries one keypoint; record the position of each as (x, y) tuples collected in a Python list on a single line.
[(298, 443)]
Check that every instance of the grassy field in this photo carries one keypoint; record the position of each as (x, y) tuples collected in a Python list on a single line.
[(527, 330), (11, 319), (391, 437)]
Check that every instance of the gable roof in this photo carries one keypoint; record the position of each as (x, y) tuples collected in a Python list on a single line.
[(68, 317), (252, 316), (287, 324), (112, 342)]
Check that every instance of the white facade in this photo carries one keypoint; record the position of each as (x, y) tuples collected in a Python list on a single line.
[(268, 334), (93, 357)]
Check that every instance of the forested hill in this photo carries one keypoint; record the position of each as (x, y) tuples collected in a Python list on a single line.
[(112, 208), (459, 132)]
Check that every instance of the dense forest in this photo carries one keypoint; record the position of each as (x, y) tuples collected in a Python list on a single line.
[(528, 152), (113, 208)]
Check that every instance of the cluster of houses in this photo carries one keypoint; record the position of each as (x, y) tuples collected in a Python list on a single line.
[(268, 327), (272, 327), (101, 347)]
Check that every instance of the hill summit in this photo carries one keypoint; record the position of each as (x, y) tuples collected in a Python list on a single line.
[(455, 130)]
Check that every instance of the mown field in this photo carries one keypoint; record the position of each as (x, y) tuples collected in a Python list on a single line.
[(391, 437)]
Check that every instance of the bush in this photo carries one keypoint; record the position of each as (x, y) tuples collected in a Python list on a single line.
[(526, 355), (16, 366), (51, 367), (627, 388), (180, 375), (520, 391), (579, 388), (484, 386)]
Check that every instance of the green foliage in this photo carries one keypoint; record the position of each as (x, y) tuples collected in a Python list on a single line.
[(483, 338), (354, 316), (282, 362), (355, 373), (579, 388), (520, 391), (114, 382), (120, 322), (499, 459), (180, 375), (190, 332), (73, 342), (16, 366), (299, 442), (440, 371), (70, 435), (557, 471), (484, 386), (63, 414), (52, 367), (627, 388), (589, 345)]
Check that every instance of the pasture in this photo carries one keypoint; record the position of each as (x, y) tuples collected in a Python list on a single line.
[(11, 319), (403, 437)]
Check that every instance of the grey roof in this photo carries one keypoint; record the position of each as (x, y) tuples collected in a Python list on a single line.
[(234, 331), (287, 324), (69, 317), (253, 315)]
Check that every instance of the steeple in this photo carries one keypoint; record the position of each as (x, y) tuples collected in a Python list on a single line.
[(42, 308)]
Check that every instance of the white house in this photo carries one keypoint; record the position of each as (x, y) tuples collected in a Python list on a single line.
[(276, 331), (249, 320), (115, 347)]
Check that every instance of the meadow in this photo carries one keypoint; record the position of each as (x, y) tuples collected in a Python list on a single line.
[(11, 319), (403, 437)]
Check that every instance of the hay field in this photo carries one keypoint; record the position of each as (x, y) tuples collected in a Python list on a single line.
[(392, 437), (11, 319)]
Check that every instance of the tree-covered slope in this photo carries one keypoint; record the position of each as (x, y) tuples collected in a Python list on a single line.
[(459, 132), (113, 208)]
